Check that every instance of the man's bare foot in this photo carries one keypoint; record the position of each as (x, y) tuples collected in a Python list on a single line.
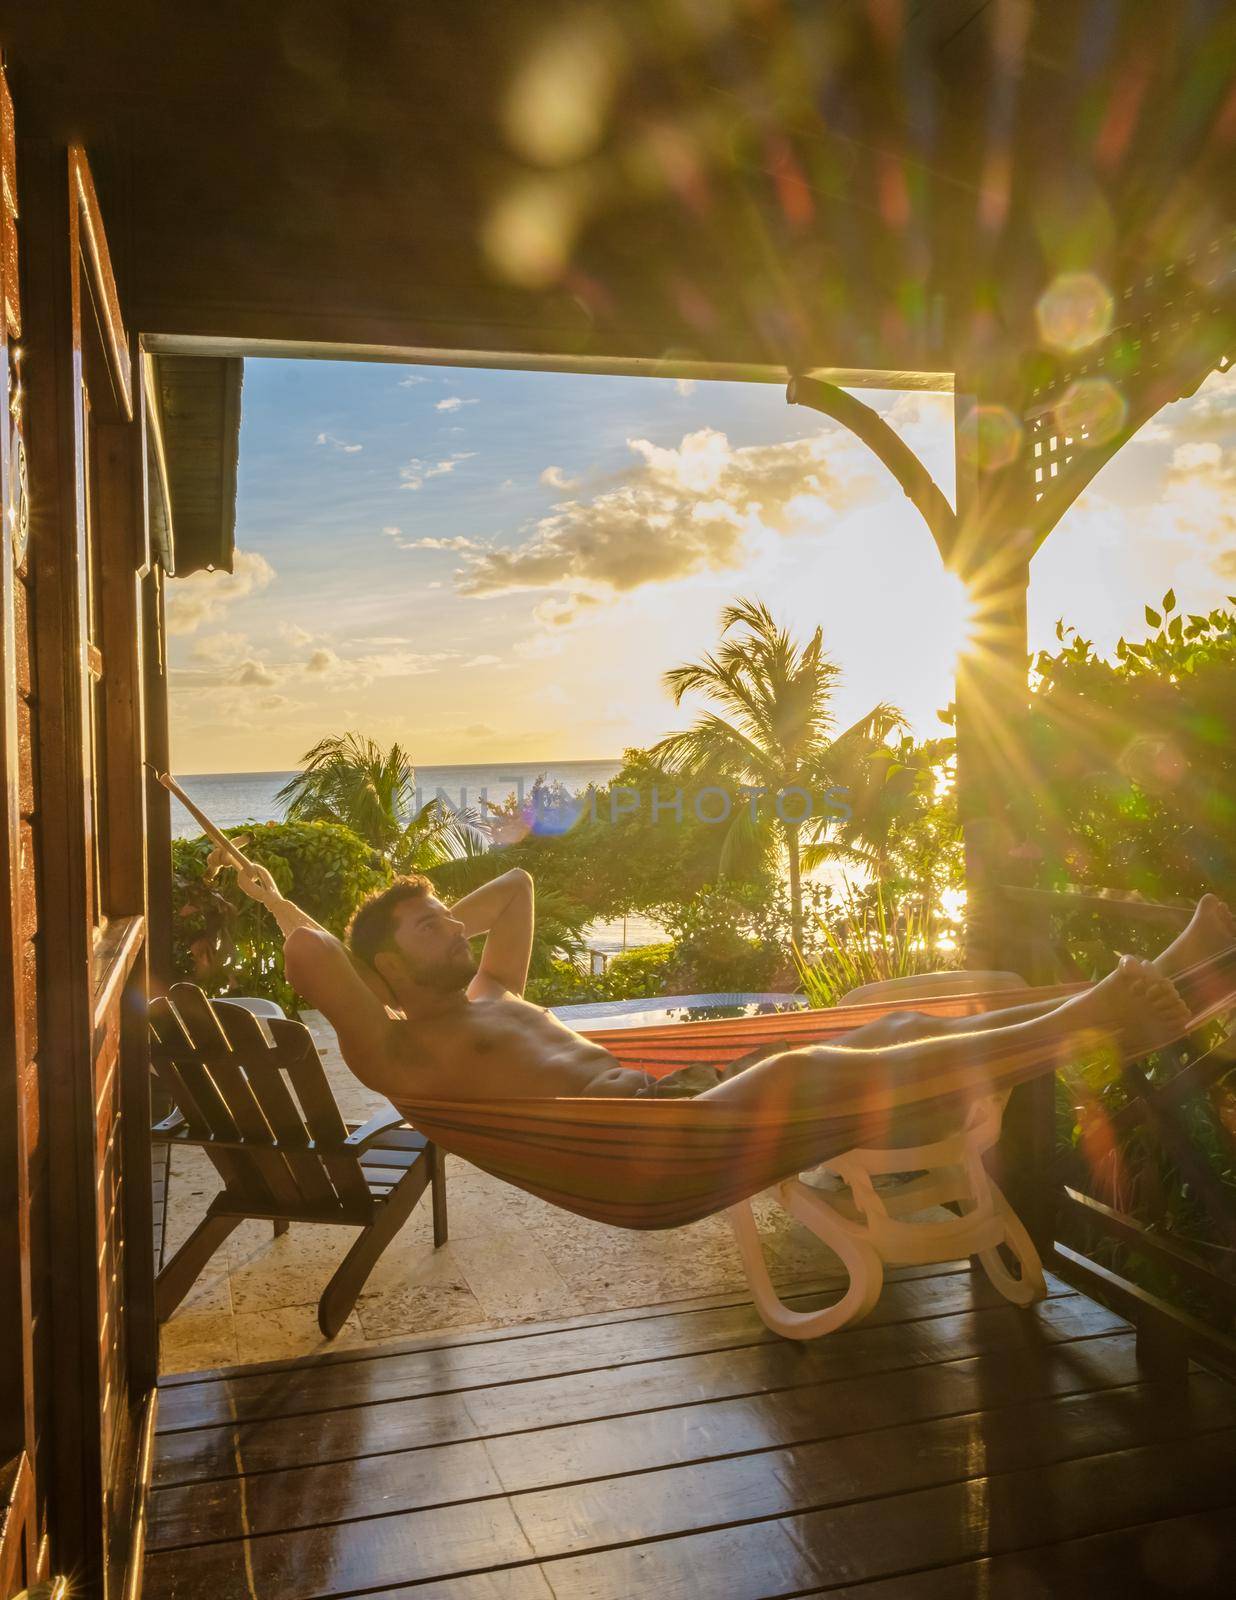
[(1211, 930), (1135, 1006)]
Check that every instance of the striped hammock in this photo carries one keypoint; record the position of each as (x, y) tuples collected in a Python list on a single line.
[(665, 1162), (649, 1163)]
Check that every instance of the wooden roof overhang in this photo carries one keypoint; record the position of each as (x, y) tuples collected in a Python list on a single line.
[(885, 187), (872, 193), (193, 425)]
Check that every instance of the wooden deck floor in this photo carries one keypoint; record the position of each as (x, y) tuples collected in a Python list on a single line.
[(949, 1446)]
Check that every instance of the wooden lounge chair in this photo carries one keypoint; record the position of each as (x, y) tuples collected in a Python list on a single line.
[(254, 1095), (865, 1225)]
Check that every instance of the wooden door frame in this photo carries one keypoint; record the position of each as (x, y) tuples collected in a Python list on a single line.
[(91, 988)]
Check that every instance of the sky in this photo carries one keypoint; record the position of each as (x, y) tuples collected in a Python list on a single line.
[(502, 565)]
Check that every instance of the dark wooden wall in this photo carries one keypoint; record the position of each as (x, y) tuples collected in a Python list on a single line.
[(80, 605)]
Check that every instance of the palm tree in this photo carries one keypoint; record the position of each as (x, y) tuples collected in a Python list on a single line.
[(772, 729), (349, 779)]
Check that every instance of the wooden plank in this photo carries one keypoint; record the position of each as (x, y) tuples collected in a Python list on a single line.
[(830, 1500), (1152, 1315), (461, 1337), (1180, 1555), (265, 1079), (609, 1345), (1156, 1247), (103, 280), (932, 1527), (298, 1056), (576, 1452), (22, 648), (225, 1451)]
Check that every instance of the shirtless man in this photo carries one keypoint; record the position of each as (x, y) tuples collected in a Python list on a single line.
[(466, 1033)]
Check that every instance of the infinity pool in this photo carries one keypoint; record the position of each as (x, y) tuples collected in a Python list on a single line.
[(660, 1009)]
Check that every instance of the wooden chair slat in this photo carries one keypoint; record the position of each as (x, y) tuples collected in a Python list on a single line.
[(270, 1173), (198, 1019), (258, 1056), (264, 1109), (282, 1153), (300, 1060)]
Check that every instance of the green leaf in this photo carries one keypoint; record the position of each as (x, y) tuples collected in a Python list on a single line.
[(1169, 602), (1153, 617)]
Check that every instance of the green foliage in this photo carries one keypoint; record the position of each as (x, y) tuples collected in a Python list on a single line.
[(871, 938), (1138, 759), (226, 942), (632, 974), (352, 781), (629, 975), (772, 728), (730, 938), (1137, 764)]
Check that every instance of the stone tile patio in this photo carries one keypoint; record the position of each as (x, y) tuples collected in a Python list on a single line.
[(511, 1258)]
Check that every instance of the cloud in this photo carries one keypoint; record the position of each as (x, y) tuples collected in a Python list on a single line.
[(411, 381), (685, 386), (674, 512), (479, 730), (453, 402), (339, 444), (1208, 414), (484, 661), (326, 666), (555, 478), (415, 473), (254, 674), (322, 662), (559, 611), (220, 649), (206, 596), (292, 633), (429, 542)]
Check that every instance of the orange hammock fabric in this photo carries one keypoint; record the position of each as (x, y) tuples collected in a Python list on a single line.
[(648, 1163)]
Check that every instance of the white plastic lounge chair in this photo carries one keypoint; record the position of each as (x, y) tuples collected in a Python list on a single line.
[(867, 1227)]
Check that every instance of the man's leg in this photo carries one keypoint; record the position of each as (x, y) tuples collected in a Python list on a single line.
[(1211, 931), (1135, 1005)]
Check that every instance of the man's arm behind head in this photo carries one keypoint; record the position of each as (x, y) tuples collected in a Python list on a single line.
[(349, 994)]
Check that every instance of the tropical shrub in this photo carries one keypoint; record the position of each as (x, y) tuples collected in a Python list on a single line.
[(870, 937), (226, 942), (1137, 758), (1137, 764), (730, 938)]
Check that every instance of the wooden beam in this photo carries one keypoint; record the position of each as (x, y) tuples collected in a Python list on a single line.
[(502, 359), (919, 487), (103, 279)]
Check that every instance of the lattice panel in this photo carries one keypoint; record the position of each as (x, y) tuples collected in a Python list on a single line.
[(1161, 348)]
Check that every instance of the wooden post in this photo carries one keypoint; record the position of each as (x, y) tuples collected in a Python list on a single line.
[(991, 554)]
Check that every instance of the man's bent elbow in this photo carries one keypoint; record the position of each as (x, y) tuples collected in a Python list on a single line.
[(299, 951)]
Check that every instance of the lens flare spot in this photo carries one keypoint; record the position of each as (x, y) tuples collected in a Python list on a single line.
[(1074, 311), (528, 235), (556, 107), (990, 437), (1092, 409)]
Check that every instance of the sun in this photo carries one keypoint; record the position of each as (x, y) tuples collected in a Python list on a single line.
[(955, 619)]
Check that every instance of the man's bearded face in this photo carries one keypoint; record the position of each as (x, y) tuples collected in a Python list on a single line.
[(431, 947)]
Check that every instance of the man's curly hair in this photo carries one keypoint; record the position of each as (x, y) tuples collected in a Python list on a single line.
[(372, 928)]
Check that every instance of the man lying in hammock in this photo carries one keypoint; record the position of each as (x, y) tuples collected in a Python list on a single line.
[(466, 1033)]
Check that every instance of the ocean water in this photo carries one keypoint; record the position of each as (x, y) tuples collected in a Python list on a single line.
[(231, 799)]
